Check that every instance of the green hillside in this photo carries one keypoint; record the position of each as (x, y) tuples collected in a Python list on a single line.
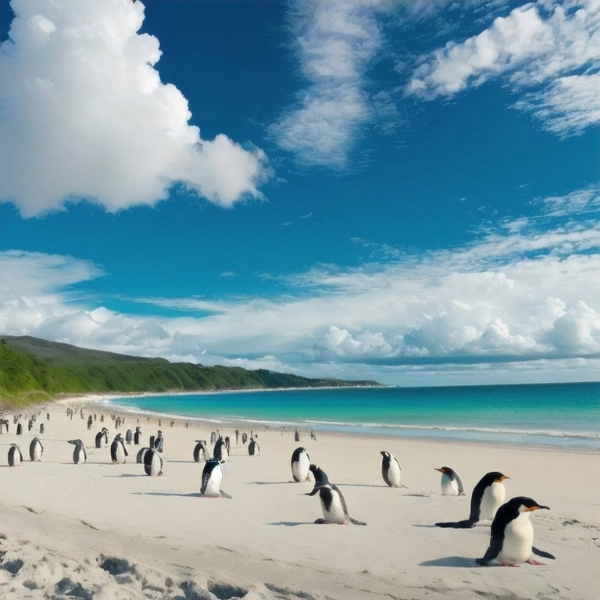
[(32, 369)]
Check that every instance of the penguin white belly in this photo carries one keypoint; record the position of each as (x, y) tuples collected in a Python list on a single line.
[(37, 453), (493, 498), (518, 541), (394, 473), (335, 512), (449, 486), (120, 453), (81, 458), (155, 465), (213, 484), (300, 468)]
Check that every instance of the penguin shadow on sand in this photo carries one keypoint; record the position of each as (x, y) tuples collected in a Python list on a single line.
[(190, 495), (450, 561), (293, 523)]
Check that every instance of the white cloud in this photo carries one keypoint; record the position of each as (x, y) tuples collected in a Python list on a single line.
[(335, 43), (550, 49), (86, 116)]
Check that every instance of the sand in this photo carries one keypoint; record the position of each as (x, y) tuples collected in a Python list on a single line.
[(101, 531)]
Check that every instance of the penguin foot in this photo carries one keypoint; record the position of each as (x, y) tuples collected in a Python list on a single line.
[(505, 564), (532, 561), (320, 522)]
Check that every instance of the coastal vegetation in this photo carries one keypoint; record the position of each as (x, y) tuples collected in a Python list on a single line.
[(36, 370)]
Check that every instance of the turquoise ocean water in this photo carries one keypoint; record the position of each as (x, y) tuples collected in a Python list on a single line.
[(565, 415)]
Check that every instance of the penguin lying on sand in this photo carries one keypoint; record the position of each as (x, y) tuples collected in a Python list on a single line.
[(487, 497), (512, 534), (451, 483), (333, 502)]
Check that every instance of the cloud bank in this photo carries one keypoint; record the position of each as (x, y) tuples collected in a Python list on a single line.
[(85, 115), (524, 294), (547, 50)]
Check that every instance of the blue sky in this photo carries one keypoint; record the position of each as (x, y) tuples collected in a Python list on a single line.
[(400, 191)]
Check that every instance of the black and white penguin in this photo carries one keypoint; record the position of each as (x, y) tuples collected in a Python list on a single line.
[(118, 452), (36, 450), (212, 476), (253, 448), (153, 463), (512, 534), (15, 458), (41, 429), (159, 442), (451, 483), (137, 435), (19, 429), (200, 452), (141, 453), (103, 433), (79, 453), (333, 502), (488, 495), (300, 464), (228, 444), (220, 450), (129, 436), (390, 469)]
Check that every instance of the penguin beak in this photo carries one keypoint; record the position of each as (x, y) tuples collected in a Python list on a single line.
[(503, 478), (440, 470), (538, 507)]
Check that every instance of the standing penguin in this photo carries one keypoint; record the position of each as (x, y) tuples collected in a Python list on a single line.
[(41, 428), (129, 436), (253, 448), (451, 483), (35, 450), (79, 453), (103, 433), (19, 429), (300, 464), (212, 476), (512, 534), (159, 441), (333, 502), (15, 458), (200, 452), (220, 450), (390, 469), (486, 498), (153, 463), (118, 452), (136, 436)]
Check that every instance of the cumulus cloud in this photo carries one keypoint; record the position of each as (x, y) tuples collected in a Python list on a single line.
[(85, 115), (548, 50), (335, 42)]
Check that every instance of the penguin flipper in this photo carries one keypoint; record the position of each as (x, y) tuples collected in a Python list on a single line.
[(315, 490), (225, 495), (467, 524), (492, 552), (354, 521), (542, 553)]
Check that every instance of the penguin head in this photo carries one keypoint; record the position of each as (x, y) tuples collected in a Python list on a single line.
[(385, 454), (496, 477), (528, 504)]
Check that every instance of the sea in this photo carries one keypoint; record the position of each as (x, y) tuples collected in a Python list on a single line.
[(553, 415)]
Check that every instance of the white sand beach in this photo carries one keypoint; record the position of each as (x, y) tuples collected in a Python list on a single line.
[(102, 531)]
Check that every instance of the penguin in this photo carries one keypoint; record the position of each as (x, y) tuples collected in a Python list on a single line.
[(41, 428), (512, 534), (296, 436), (129, 436), (451, 483), (136, 436), (200, 452), (118, 452), (15, 458), (300, 464), (390, 469), (486, 498), (153, 463), (103, 433), (244, 437), (253, 448), (212, 476), (159, 442), (30, 425), (333, 502), (79, 453), (220, 450), (19, 429), (35, 450), (141, 453), (228, 444)]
